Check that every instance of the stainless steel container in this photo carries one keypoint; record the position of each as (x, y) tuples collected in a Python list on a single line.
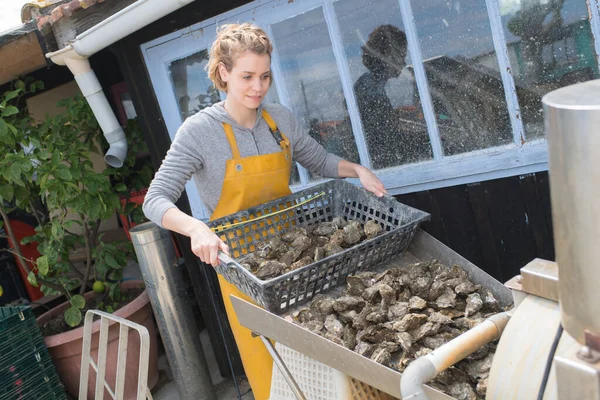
[(166, 288), (572, 118)]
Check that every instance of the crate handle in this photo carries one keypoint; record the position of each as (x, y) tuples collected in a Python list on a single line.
[(226, 260)]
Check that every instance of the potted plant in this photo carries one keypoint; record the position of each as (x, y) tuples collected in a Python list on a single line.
[(51, 164)]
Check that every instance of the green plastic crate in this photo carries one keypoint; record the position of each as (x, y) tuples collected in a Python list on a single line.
[(26, 369)]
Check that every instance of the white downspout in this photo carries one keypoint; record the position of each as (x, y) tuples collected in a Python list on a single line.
[(75, 57), (426, 368)]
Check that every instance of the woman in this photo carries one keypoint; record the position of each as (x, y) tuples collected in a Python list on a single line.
[(240, 154)]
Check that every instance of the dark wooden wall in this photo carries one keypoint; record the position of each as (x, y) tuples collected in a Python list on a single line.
[(499, 225)]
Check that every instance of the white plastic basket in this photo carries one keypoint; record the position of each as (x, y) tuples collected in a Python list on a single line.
[(318, 381)]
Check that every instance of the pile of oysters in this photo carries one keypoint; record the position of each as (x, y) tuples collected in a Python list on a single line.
[(301, 246), (396, 316)]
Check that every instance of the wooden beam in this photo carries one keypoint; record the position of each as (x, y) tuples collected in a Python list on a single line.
[(21, 57)]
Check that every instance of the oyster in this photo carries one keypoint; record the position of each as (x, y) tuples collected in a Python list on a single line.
[(381, 355), (340, 222), (301, 263), (320, 240), (372, 229), (293, 233), (269, 269), (416, 303), (352, 233), (301, 243), (337, 237), (252, 260), (474, 304), (290, 256), (356, 285), (331, 249), (364, 348), (465, 288), (427, 329), (348, 303), (325, 229), (410, 322), (319, 254), (446, 300), (270, 249), (349, 338), (322, 305), (397, 311), (334, 326)]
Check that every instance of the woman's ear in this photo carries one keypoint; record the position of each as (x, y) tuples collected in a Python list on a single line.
[(223, 72)]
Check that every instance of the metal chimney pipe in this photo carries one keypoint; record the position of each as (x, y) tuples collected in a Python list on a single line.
[(166, 287), (572, 120)]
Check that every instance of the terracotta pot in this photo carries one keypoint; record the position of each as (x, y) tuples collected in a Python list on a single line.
[(65, 348)]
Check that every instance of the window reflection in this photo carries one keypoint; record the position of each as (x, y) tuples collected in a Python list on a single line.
[(377, 52), (550, 45), (462, 74), (193, 90), (311, 75)]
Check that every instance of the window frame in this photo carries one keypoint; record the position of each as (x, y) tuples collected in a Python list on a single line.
[(518, 157)]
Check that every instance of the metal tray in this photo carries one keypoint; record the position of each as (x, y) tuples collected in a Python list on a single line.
[(336, 198), (282, 330)]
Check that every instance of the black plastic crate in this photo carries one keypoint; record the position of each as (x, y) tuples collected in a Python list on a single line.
[(26, 369), (336, 198)]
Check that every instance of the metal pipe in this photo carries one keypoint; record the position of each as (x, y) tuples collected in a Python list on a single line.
[(166, 288), (287, 375), (428, 367), (572, 119)]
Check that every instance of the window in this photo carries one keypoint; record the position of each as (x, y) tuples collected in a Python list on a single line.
[(427, 93)]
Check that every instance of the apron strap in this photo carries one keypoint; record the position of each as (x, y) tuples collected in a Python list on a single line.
[(274, 130), (235, 152)]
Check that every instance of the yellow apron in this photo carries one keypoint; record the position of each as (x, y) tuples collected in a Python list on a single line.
[(251, 181)]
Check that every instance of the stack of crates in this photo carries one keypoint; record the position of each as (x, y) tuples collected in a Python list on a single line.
[(26, 369)]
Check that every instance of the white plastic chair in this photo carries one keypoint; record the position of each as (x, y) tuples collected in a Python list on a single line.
[(143, 392)]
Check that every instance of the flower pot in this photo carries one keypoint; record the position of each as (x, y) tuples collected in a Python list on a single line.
[(65, 348)]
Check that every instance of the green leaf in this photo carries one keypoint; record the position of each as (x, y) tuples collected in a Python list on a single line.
[(121, 187), (110, 260), (77, 301), (9, 110), (115, 291), (42, 264), (7, 192), (12, 94), (20, 85), (55, 231), (12, 128), (73, 316), (3, 127), (31, 278), (64, 174), (15, 171)]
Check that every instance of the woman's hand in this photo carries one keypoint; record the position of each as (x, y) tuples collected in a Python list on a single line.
[(206, 245), (368, 180)]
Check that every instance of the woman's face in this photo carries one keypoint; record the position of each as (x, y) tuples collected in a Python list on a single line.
[(249, 79)]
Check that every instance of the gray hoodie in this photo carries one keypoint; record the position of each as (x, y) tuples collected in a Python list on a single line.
[(200, 150)]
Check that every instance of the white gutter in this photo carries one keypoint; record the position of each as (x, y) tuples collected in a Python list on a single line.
[(114, 28)]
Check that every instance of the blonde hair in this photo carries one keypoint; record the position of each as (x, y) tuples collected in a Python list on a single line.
[(233, 39)]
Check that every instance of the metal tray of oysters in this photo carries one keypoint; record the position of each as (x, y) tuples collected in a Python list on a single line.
[(439, 295), (371, 230)]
